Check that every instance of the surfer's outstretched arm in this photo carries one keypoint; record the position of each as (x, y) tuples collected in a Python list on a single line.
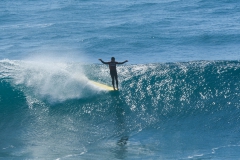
[(103, 61), (122, 62)]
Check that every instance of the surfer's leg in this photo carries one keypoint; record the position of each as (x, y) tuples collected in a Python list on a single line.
[(113, 83), (112, 76), (116, 78)]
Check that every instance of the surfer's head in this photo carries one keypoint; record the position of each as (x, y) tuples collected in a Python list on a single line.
[(112, 59)]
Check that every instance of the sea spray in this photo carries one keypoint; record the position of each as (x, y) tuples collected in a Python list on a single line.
[(56, 81)]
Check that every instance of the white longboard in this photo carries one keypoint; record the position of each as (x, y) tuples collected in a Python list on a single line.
[(102, 86)]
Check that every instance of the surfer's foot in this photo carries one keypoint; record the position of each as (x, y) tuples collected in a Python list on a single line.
[(114, 88)]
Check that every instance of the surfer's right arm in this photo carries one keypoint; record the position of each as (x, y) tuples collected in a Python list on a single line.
[(103, 61)]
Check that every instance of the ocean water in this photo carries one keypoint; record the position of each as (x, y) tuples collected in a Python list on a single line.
[(178, 95)]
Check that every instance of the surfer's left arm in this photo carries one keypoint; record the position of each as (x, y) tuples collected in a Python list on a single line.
[(122, 62), (103, 61)]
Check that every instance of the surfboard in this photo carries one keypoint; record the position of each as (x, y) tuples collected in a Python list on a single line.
[(102, 86)]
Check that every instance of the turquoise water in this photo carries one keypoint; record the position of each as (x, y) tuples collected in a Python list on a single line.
[(179, 92), (186, 110)]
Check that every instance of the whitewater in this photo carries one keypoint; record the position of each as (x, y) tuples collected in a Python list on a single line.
[(178, 95)]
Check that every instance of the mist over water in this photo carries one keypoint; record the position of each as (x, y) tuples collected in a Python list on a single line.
[(51, 80)]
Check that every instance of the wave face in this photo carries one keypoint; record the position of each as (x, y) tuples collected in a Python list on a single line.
[(163, 111)]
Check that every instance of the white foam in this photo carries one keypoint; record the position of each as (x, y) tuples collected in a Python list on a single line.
[(55, 81)]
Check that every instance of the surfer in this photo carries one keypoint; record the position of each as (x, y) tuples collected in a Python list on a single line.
[(113, 70)]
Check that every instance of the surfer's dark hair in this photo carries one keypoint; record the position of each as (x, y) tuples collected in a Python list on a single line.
[(112, 58)]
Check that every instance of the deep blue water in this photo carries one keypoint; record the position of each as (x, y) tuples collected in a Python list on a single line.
[(179, 92)]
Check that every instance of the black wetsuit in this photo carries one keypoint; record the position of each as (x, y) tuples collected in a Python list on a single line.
[(113, 72)]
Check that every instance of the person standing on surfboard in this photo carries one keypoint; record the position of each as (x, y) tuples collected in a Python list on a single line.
[(113, 70)]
